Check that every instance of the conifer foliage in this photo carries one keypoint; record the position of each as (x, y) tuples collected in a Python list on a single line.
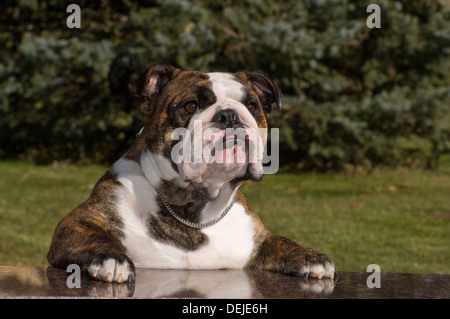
[(354, 95)]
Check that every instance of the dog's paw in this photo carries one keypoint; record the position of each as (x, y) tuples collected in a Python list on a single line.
[(319, 270), (111, 270)]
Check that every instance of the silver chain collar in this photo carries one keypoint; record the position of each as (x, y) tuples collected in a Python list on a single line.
[(196, 225)]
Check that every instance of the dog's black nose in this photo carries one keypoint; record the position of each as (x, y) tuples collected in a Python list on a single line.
[(229, 118)]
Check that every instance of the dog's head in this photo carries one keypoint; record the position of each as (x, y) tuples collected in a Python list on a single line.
[(210, 126)]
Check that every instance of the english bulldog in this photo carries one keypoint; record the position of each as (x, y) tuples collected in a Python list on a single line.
[(163, 205)]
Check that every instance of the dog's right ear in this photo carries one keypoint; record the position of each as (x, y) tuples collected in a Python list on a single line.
[(150, 83)]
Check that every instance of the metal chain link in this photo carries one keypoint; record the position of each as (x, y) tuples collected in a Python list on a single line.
[(196, 225)]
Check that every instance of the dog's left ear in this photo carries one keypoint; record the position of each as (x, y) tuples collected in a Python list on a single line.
[(266, 90), (150, 84)]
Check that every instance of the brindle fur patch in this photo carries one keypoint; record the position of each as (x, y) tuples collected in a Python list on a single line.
[(282, 255), (92, 231), (187, 203), (166, 108), (165, 228)]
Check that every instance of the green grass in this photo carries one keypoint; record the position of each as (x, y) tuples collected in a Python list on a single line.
[(398, 219), (32, 201)]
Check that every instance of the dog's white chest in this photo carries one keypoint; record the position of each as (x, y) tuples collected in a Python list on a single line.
[(230, 242), (229, 245)]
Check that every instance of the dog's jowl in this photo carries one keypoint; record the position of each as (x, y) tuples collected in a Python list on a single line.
[(153, 210)]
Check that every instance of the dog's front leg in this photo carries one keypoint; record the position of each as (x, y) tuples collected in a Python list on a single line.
[(282, 255), (94, 249)]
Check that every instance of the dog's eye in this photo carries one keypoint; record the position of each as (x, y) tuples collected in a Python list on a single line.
[(190, 107), (251, 108)]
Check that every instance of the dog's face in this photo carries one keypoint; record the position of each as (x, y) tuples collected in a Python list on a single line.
[(210, 126)]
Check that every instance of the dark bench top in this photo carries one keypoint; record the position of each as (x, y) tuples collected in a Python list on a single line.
[(43, 282)]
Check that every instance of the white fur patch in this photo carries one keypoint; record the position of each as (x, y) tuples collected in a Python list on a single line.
[(230, 242), (156, 167), (224, 86), (137, 196)]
